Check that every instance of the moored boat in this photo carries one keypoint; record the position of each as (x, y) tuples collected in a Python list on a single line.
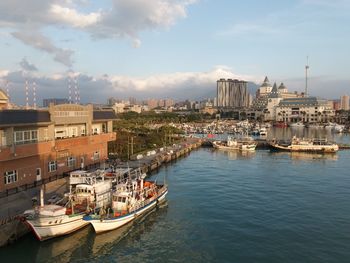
[(130, 200), (243, 144), (304, 145), (53, 220), (298, 124)]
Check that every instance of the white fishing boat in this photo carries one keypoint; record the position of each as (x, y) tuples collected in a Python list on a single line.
[(130, 200), (89, 193), (306, 145), (243, 144), (298, 124)]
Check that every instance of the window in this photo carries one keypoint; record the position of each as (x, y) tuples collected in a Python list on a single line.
[(22, 137), (10, 177), (52, 166), (96, 156), (71, 161)]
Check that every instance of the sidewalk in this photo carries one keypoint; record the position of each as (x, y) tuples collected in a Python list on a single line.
[(16, 204)]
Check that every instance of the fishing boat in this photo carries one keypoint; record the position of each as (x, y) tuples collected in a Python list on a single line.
[(243, 144), (305, 145), (130, 200), (280, 124), (298, 124), (87, 192)]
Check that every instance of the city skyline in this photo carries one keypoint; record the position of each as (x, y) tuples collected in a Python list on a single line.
[(171, 49)]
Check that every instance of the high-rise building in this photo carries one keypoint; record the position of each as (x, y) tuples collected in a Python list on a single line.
[(169, 102), (152, 103), (232, 93), (344, 102), (336, 105)]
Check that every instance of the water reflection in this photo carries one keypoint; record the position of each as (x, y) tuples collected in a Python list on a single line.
[(103, 243), (234, 154), (309, 157), (62, 249), (85, 243)]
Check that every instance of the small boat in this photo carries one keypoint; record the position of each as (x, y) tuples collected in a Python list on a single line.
[(243, 144), (298, 124), (337, 128), (90, 193), (130, 200), (314, 126), (280, 124), (263, 131), (303, 145)]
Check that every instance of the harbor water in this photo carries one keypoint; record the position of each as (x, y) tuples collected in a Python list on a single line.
[(227, 207)]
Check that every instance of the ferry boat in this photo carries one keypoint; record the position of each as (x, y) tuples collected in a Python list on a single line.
[(130, 200), (243, 144), (90, 193), (303, 145)]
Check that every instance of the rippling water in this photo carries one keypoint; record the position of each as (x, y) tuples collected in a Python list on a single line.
[(226, 207)]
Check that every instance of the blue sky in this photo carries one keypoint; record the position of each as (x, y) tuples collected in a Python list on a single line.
[(166, 48)]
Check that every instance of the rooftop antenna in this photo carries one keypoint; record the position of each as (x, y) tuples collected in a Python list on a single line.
[(76, 89), (34, 94), (27, 94), (7, 90), (69, 90), (306, 75)]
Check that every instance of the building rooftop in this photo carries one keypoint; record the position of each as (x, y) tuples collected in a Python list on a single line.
[(104, 115), (266, 83), (25, 117), (12, 117)]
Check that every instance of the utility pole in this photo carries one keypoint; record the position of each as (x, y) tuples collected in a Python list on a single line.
[(132, 145), (128, 149)]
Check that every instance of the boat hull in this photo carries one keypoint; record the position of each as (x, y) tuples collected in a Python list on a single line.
[(64, 226), (301, 148), (109, 224)]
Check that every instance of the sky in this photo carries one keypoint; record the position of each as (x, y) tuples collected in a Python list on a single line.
[(171, 48)]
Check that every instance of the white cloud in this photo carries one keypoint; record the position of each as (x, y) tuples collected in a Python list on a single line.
[(39, 41), (27, 66), (73, 18), (125, 18), (179, 85), (177, 80)]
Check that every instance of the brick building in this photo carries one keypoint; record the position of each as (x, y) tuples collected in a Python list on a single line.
[(38, 144)]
